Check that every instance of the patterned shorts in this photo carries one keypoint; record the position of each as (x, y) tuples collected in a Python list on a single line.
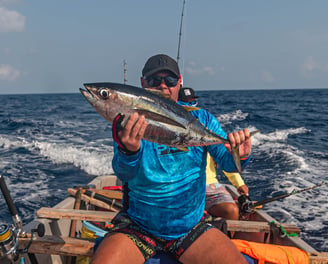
[(149, 245), (216, 194)]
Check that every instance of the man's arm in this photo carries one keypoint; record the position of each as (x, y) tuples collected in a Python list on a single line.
[(125, 166), (126, 161), (221, 153), (237, 181), (133, 132)]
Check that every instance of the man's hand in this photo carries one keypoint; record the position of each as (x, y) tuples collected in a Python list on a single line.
[(133, 132), (242, 139), (243, 190)]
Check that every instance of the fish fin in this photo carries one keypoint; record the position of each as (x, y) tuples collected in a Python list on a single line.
[(254, 132), (158, 92), (235, 153), (158, 117), (190, 108), (236, 157)]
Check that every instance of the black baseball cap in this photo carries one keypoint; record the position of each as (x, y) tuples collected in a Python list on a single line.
[(187, 94), (160, 62)]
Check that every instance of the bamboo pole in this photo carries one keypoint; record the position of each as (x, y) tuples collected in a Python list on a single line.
[(92, 200)]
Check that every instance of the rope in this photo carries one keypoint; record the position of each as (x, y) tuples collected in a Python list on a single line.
[(282, 229)]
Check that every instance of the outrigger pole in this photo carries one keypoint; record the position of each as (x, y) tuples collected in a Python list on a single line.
[(248, 206), (180, 33), (124, 72)]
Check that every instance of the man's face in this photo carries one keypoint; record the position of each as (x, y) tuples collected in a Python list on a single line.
[(164, 81)]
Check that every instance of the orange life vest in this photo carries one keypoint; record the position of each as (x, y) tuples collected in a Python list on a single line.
[(267, 253)]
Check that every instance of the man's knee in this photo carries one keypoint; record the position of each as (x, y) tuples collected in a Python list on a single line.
[(117, 248), (212, 247), (225, 210), (233, 211)]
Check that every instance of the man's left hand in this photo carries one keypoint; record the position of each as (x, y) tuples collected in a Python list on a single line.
[(241, 138)]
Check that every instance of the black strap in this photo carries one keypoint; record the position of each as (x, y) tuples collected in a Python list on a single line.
[(116, 128), (222, 225), (126, 196)]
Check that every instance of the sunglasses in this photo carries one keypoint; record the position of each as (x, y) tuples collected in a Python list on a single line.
[(155, 81)]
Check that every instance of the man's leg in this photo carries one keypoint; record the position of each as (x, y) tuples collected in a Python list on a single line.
[(117, 248), (212, 247), (225, 210), (220, 203)]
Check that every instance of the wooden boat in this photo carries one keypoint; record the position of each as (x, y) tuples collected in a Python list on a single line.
[(60, 244)]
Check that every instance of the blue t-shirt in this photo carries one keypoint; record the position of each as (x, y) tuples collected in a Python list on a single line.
[(167, 185)]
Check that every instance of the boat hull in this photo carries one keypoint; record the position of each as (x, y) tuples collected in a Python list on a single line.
[(61, 228)]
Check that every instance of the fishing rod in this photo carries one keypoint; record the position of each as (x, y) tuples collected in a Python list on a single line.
[(180, 32), (247, 206), (9, 234), (11, 206)]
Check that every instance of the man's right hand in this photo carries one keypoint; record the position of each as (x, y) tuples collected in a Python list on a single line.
[(243, 189), (133, 132)]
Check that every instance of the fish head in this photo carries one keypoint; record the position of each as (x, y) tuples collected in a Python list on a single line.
[(93, 93), (103, 98)]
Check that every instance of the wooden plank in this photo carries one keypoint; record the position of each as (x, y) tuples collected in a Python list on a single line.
[(55, 245), (257, 226), (72, 231), (77, 205), (320, 258), (65, 246), (100, 216), (108, 193), (59, 213)]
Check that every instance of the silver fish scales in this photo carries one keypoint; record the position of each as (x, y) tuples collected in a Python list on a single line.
[(168, 123)]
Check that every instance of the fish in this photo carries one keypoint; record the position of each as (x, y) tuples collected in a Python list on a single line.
[(168, 123)]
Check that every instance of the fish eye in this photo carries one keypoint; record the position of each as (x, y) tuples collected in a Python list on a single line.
[(104, 93)]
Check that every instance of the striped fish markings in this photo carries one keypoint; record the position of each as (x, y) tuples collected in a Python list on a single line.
[(168, 123)]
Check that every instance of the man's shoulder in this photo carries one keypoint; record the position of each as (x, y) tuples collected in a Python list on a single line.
[(200, 112)]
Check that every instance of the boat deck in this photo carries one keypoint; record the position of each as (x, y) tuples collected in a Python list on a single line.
[(57, 245)]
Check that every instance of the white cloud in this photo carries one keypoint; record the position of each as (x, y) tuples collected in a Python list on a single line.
[(11, 21), (194, 70), (311, 67), (8, 72), (3, 2)]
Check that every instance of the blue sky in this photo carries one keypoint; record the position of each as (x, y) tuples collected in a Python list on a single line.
[(56, 46)]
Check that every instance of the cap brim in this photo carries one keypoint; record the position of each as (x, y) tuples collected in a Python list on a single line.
[(160, 69)]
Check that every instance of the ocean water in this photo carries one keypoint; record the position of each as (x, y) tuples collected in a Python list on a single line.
[(51, 142)]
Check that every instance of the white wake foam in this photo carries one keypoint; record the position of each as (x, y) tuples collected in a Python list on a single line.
[(228, 118), (92, 158)]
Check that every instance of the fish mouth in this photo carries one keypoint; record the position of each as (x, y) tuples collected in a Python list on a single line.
[(87, 92)]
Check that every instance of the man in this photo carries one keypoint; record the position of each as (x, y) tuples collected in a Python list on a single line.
[(187, 97), (167, 187), (219, 202)]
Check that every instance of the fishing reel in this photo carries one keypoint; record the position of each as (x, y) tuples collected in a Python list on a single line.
[(245, 204), (9, 236), (9, 242)]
